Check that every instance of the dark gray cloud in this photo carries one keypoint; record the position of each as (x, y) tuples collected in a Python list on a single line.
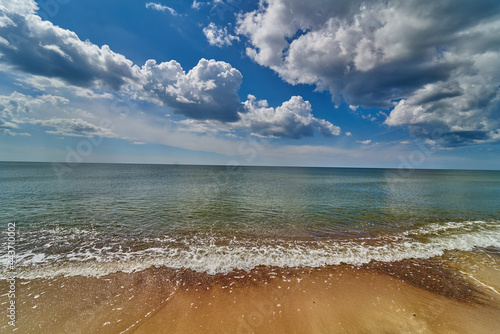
[(38, 47), (434, 65)]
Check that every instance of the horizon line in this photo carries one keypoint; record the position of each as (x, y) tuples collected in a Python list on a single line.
[(234, 166)]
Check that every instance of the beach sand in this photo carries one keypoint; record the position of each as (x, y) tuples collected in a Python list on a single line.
[(457, 293)]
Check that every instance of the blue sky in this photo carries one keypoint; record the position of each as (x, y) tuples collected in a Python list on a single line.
[(309, 83)]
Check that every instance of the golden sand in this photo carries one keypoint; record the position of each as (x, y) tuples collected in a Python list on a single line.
[(445, 296), (329, 300)]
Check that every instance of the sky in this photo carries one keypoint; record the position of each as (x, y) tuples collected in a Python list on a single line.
[(399, 84)]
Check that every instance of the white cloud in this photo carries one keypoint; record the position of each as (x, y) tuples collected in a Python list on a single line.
[(197, 5), (218, 36), (18, 105), (4, 42), (441, 58), (48, 111), (8, 125), (19, 7), (207, 91), (6, 128), (161, 8), (293, 119), (364, 142), (74, 127), (8, 132)]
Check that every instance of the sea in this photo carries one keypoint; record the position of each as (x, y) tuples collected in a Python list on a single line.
[(99, 219)]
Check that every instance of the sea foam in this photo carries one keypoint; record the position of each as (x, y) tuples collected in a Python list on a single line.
[(211, 253)]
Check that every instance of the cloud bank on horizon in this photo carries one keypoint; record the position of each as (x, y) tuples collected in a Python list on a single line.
[(429, 67)]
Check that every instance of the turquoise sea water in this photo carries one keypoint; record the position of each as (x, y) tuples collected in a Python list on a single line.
[(94, 219)]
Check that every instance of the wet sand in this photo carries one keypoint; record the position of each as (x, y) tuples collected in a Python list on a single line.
[(451, 295)]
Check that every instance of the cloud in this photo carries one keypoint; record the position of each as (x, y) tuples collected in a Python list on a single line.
[(18, 105), (74, 127), (208, 91), (218, 36), (453, 119), (20, 7), (364, 142), (293, 119), (39, 47), (196, 5), (438, 61), (47, 111), (7, 127), (161, 8), (46, 84)]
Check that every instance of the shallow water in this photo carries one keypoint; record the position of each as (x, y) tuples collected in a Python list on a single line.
[(96, 219), (103, 248)]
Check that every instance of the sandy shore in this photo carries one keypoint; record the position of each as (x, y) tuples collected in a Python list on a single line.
[(445, 296)]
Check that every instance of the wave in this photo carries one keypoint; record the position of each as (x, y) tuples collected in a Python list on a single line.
[(89, 253)]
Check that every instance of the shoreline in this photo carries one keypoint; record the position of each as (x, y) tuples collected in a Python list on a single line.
[(438, 295)]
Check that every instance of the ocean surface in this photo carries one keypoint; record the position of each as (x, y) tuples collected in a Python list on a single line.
[(96, 219)]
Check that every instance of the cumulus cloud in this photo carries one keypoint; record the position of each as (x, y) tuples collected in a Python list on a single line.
[(293, 119), (433, 65), (218, 36), (208, 91), (20, 7), (161, 8)]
